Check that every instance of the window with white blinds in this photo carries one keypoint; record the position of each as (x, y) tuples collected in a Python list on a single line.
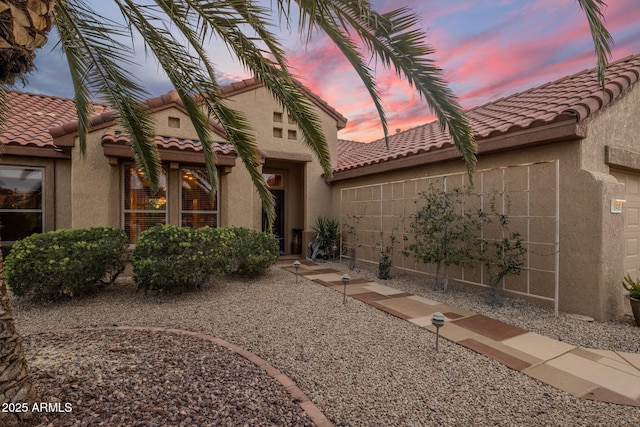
[(142, 208), (199, 202)]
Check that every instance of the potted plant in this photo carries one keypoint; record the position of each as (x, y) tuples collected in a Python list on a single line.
[(633, 287)]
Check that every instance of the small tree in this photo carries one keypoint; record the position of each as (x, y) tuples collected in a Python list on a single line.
[(443, 231), (502, 255), (350, 228), (386, 256)]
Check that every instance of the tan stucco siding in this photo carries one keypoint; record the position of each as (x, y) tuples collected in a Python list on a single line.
[(244, 204), (62, 196), (92, 191), (589, 252), (174, 122), (616, 127)]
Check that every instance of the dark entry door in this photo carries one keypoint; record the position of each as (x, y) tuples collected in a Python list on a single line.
[(278, 225)]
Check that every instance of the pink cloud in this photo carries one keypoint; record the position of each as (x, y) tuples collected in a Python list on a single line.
[(540, 41)]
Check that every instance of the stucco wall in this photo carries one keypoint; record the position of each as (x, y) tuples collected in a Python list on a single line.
[(259, 106), (587, 255), (616, 126), (91, 184), (62, 197)]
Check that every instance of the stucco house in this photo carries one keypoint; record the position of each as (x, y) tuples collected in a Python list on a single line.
[(46, 184), (560, 159)]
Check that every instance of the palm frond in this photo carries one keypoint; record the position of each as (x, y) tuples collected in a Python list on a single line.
[(258, 19), (393, 39), (5, 110), (602, 39), (326, 22), (196, 84), (277, 80), (181, 68), (98, 59)]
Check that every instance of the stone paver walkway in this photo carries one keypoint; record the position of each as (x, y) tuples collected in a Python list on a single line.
[(602, 375)]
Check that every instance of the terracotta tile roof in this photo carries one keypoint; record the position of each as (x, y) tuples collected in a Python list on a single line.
[(172, 99), (32, 116), (575, 97), (117, 137)]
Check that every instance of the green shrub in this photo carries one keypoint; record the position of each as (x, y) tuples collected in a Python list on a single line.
[(65, 263), (252, 252), (218, 248), (169, 259)]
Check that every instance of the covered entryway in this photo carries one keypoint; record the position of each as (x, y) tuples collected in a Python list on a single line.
[(285, 180)]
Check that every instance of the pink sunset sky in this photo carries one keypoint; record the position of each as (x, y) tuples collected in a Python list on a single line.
[(488, 49)]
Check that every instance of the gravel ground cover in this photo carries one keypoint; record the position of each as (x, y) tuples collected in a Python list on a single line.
[(360, 366), (145, 378)]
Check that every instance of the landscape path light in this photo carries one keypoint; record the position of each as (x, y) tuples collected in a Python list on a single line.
[(437, 320), (345, 280), (296, 265)]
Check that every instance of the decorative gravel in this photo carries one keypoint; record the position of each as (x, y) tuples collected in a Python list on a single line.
[(360, 366), (140, 378)]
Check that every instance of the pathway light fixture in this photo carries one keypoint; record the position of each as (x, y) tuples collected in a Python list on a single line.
[(345, 280), (437, 320), (296, 265)]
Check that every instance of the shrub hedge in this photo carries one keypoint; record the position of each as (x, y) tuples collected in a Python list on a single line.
[(252, 252), (65, 263), (170, 259)]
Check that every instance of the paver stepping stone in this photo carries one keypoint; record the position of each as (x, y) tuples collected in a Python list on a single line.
[(539, 346), (409, 307), (504, 358), (494, 329), (602, 375)]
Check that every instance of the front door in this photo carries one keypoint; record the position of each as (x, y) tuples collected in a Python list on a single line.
[(275, 181), (278, 224)]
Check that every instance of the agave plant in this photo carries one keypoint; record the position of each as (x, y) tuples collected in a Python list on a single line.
[(632, 286), (327, 236)]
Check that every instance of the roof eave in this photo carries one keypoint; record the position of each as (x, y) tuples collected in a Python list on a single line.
[(49, 151), (121, 151), (567, 128)]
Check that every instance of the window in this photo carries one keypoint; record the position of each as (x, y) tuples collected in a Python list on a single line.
[(197, 207), (21, 202), (292, 134), (277, 132), (143, 208), (277, 117), (290, 120), (274, 180)]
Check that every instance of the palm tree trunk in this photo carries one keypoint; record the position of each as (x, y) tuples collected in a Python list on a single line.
[(24, 25), (15, 382)]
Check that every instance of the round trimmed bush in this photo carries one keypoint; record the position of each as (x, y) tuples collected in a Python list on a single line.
[(65, 263)]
